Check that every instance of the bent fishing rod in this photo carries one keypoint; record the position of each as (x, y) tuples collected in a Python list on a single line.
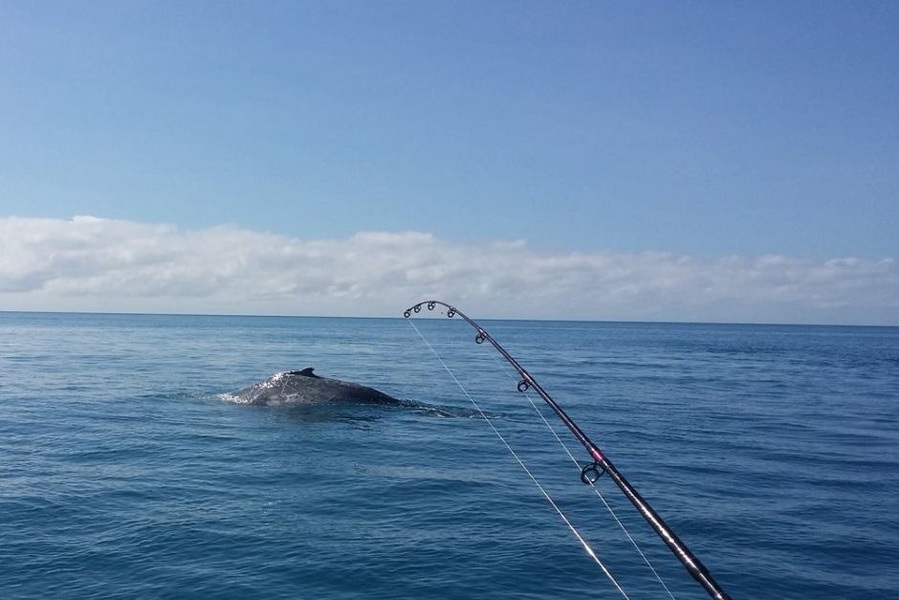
[(601, 463)]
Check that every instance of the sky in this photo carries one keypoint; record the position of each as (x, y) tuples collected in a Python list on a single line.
[(689, 161)]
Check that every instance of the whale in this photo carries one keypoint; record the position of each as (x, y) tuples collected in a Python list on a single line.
[(304, 387)]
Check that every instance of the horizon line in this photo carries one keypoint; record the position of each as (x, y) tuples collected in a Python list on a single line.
[(435, 317)]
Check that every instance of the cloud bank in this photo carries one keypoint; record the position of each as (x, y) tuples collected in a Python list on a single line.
[(92, 264)]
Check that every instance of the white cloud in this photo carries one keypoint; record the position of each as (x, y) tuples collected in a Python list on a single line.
[(109, 265)]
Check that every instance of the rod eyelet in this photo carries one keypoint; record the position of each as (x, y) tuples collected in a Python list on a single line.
[(591, 473)]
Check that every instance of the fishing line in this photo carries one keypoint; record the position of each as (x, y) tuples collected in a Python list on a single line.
[(591, 482), (600, 463), (590, 552)]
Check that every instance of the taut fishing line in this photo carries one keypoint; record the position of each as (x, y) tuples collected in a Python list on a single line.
[(590, 552), (592, 471), (593, 486)]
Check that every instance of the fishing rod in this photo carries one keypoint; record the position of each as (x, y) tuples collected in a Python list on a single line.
[(600, 465)]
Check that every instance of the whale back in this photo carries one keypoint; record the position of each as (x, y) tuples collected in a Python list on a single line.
[(305, 387)]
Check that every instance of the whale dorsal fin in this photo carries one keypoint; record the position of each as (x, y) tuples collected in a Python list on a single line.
[(307, 372)]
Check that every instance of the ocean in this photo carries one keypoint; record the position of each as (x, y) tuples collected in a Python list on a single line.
[(126, 471)]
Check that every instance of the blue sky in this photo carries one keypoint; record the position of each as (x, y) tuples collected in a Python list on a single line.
[(705, 133)]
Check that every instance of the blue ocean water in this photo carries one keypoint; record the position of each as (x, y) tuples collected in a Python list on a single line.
[(773, 452)]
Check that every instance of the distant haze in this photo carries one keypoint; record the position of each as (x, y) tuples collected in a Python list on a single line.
[(92, 264)]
